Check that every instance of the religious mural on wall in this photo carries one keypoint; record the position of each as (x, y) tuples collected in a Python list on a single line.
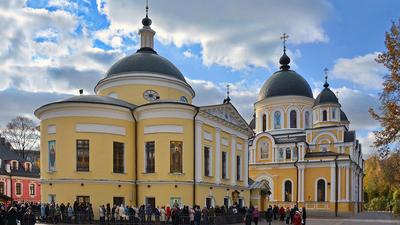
[(52, 155), (176, 156)]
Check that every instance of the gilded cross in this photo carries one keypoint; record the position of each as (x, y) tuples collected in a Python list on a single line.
[(284, 37)]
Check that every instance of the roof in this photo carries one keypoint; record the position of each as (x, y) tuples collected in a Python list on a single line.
[(145, 60), (252, 123), (319, 154), (343, 116), (285, 82), (95, 99), (6, 154), (289, 139), (325, 97), (262, 185), (349, 136)]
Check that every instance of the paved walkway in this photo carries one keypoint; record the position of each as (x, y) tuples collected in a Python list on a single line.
[(364, 218)]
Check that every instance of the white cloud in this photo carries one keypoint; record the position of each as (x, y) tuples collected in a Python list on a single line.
[(234, 34), (188, 54), (363, 71), (242, 95), (355, 104), (366, 143)]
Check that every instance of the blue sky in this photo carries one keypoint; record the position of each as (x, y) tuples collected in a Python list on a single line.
[(51, 48)]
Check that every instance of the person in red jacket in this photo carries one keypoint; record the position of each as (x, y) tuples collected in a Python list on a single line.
[(282, 213), (297, 218)]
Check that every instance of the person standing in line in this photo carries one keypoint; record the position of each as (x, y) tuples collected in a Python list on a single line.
[(287, 215), (256, 215), (304, 215), (70, 214), (197, 215), (248, 216), (101, 214), (297, 218), (163, 215), (270, 215), (191, 216)]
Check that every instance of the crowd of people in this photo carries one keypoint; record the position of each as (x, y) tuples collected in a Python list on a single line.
[(295, 215), (83, 213)]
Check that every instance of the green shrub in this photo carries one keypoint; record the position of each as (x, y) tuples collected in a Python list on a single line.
[(396, 207), (378, 204)]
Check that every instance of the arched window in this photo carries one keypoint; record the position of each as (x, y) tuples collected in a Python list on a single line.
[(264, 122), (293, 119), (321, 190), (324, 115), (264, 150), (288, 191), (277, 120), (334, 113), (288, 153), (280, 153), (307, 119)]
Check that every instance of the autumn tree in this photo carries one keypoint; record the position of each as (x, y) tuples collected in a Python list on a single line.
[(388, 137), (22, 133)]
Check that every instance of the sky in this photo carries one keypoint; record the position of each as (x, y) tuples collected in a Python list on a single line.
[(51, 48)]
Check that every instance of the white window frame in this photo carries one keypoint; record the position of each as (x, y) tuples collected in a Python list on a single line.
[(226, 169), (283, 189), (210, 164), (316, 189), (34, 189), (145, 160), (22, 188)]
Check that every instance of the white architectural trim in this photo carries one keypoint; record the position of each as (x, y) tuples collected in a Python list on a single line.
[(233, 160), (267, 177), (316, 188), (246, 164), (151, 79), (100, 128), (239, 147), (222, 127), (324, 133), (333, 183), (164, 110), (208, 136), (198, 150), (218, 155), (225, 142), (51, 129), (83, 110), (283, 189), (163, 129)]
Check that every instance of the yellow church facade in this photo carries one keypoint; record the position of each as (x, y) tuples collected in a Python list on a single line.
[(303, 151), (140, 140)]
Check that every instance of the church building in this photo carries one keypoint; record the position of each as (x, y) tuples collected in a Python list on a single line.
[(303, 151), (140, 140)]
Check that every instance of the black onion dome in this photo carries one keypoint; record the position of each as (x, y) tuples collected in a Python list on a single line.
[(145, 60), (284, 61), (326, 97), (146, 21), (285, 82), (343, 116)]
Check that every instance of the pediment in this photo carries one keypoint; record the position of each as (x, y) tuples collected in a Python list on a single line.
[(228, 113)]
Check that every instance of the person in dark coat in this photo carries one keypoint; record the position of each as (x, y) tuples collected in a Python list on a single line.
[(248, 216), (12, 216), (275, 210), (28, 218), (269, 215), (304, 215)]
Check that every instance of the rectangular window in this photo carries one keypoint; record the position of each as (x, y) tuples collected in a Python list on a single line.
[(32, 189), (119, 201), (118, 157), (238, 168), (150, 157), (1, 188), (82, 155), (52, 155), (18, 188), (208, 202), (226, 202), (176, 157), (207, 164), (224, 165), (83, 199)]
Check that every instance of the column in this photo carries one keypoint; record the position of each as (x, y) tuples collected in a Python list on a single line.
[(273, 153), (302, 185), (233, 160), (198, 146), (217, 155), (333, 173), (246, 163), (347, 184), (339, 183)]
